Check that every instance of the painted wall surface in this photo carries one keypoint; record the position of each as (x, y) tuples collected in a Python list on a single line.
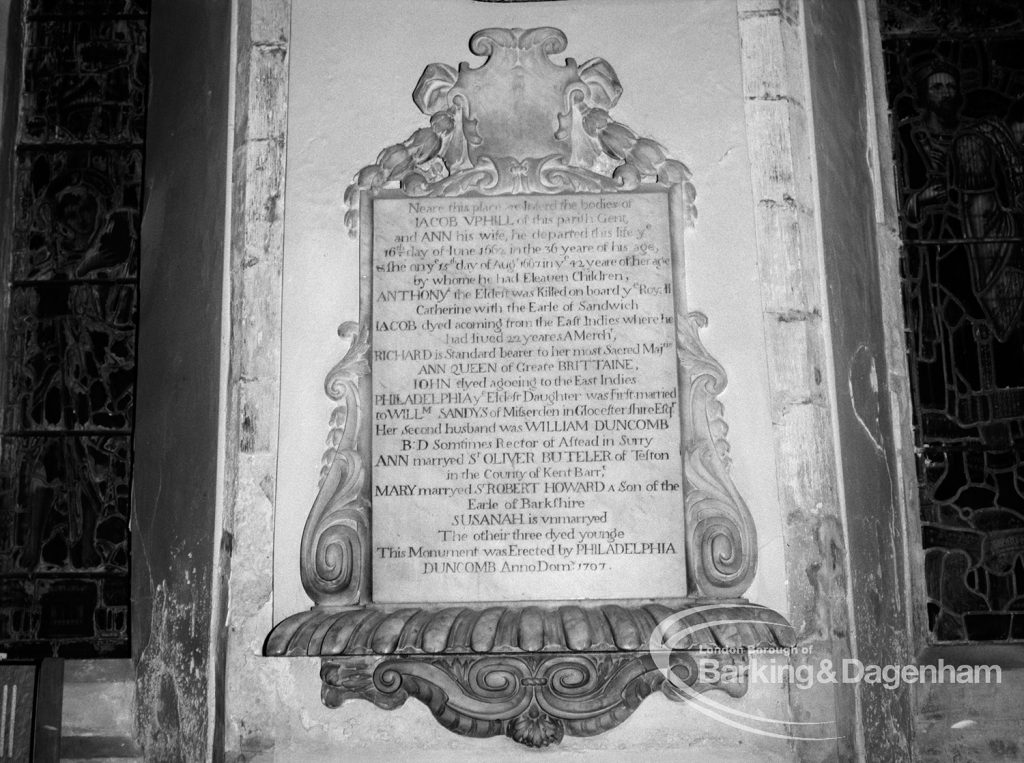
[(874, 520), (173, 519), (353, 65)]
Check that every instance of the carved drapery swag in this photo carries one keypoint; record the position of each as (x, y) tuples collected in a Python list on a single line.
[(531, 672)]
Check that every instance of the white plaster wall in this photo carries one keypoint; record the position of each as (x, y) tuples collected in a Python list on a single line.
[(353, 66)]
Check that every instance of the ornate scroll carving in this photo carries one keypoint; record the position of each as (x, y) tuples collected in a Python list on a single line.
[(519, 124), (533, 699), (721, 540), (334, 556), (529, 683), (533, 674)]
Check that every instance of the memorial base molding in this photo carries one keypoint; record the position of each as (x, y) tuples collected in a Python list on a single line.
[(534, 674)]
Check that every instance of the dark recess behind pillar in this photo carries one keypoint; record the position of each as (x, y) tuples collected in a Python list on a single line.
[(175, 488), (875, 542)]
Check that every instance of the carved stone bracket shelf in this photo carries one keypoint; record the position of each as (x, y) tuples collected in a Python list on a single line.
[(531, 672)]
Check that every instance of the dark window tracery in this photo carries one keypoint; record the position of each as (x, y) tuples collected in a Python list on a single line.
[(955, 74), (69, 350)]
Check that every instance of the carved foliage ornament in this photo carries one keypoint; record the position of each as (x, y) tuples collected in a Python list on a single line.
[(529, 672), (561, 138)]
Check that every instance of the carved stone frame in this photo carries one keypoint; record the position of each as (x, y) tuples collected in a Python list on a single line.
[(534, 672)]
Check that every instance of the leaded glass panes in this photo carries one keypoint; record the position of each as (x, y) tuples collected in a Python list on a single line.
[(71, 357), (68, 395), (76, 8), (77, 214), (69, 496), (956, 92), (84, 81), (950, 18)]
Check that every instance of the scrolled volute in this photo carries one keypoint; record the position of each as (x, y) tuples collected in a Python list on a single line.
[(334, 553), (721, 539)]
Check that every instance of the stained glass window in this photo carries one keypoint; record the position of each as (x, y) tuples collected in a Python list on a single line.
[(955, 73), (67, 410)]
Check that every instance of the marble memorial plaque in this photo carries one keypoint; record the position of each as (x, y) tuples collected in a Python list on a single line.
[(525, 411)]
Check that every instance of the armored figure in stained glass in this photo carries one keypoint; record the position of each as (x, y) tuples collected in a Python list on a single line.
[(960, 159)]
